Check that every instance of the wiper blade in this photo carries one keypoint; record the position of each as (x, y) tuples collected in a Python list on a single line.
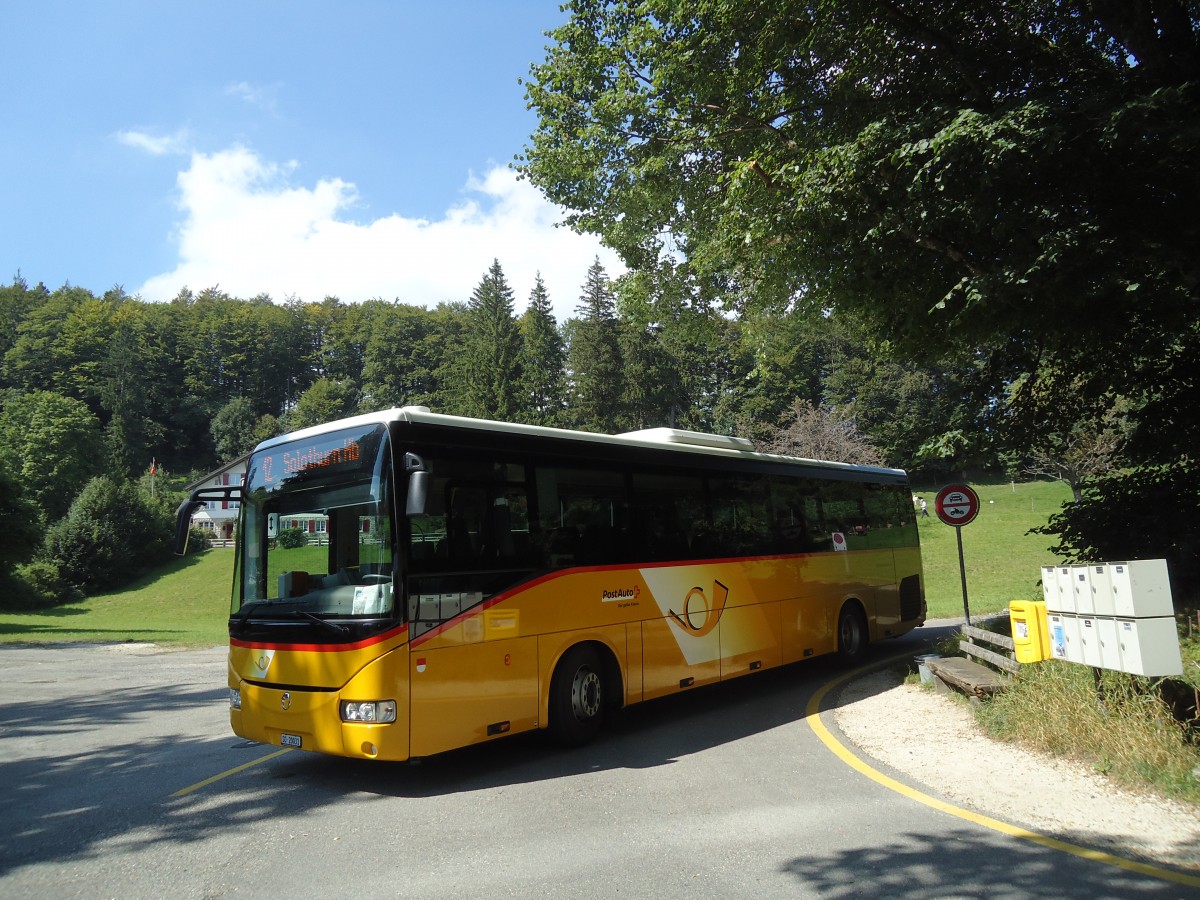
[(244, 613), (332, 626), (241, 619)]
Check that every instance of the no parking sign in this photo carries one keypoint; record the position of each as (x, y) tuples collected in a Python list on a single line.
[(958, 505)]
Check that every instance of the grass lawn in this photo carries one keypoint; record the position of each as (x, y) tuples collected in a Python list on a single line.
[(183, 604), (1003, 562)]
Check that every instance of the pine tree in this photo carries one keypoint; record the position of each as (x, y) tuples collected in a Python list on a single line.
[(492, 350), (594, 356), (652, 391), (543, 356)]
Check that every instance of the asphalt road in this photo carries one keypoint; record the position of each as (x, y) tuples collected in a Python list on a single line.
[(117, 782)]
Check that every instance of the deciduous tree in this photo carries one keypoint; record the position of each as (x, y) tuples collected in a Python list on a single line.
[(814, 432), (1006, 188), (323, 402), (53, 443), (111, 533), (233, 429)]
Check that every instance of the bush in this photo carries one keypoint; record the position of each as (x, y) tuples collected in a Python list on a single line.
[(18, 595), (37, 585), (199, 539), (290, 538), (111, 533)]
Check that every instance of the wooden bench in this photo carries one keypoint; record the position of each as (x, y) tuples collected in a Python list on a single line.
[(970, 645), (972, 678), (967, 676)]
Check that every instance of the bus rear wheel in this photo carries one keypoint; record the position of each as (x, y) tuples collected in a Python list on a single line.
[(577, 697), (852, 635)]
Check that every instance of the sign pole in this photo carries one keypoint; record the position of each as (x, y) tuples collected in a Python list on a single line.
[(958, 505), (962, 571)]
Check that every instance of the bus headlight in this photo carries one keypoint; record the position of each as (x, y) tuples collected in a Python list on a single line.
[(235, 698), (371, 711)]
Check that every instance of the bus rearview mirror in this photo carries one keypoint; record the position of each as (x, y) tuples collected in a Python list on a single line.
[(418, 484)]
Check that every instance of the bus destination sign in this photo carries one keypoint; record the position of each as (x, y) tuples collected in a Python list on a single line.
[(338, 451)]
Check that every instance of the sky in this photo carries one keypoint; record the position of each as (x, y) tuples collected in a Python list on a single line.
[(298, 149)]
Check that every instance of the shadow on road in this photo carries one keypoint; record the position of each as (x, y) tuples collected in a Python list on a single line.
[(964, 863), (122, 768)]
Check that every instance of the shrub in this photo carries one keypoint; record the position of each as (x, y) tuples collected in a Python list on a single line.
[(290, 538), (37, 585), (110, 534), (199, 539)]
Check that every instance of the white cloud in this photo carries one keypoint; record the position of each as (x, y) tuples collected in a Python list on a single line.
[(254, 94), (248, 228), (155, 145)]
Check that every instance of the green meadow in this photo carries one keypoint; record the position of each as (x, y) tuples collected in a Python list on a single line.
[(1002, 560), (183, 604)]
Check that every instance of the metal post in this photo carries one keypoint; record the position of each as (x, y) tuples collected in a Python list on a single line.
[(962, 571)]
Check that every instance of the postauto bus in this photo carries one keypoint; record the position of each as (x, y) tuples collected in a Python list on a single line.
[(408, 582)]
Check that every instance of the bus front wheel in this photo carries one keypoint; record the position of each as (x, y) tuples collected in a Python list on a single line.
[(852, 635), (577, 697)]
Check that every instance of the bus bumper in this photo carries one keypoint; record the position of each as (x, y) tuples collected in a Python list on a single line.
[(309, 719)]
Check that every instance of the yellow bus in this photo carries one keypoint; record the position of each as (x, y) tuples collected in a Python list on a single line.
[(407, 583)]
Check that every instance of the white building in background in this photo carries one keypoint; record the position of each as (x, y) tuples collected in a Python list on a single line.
[(219, 517)]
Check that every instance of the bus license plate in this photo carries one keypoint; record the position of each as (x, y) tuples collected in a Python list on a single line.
[(289, 740)]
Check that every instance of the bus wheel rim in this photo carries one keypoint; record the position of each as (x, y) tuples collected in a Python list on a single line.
[(851, 639), (585, 694)]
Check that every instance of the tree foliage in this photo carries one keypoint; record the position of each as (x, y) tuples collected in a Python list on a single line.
[(814, 432), (491, 358), (1137, 514), (111, 533), (52, 443), (542, 359), (324, 401), (1003, 190), (594, 356), (1089, 450), (959, 175), (234, 429), (402, 350), (22, 524)]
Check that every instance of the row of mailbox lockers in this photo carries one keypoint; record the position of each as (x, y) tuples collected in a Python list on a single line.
[(1137, 589), (1138, 646)]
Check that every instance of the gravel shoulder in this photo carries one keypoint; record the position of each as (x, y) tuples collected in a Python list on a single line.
[(933, 742)]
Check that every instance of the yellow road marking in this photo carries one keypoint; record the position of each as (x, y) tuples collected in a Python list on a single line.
[(813, 716), (242, 768)]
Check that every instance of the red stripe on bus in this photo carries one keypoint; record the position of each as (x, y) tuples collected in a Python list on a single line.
[(322, 648), (575, 570)]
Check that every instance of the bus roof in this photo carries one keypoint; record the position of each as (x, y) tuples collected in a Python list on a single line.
[(675, 439)]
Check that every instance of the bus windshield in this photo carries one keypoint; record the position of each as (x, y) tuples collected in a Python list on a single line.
[(316, 531)]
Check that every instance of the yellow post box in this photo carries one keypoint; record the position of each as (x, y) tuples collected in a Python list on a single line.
[(1030, 630)]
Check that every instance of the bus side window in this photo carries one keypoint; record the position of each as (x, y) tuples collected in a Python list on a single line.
[(476, 516), (842, 508), (739, 515), (797, 518), (670, 517), (464, 518), (583, 516)]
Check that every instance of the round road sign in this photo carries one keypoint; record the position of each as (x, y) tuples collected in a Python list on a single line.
[(957, 504)]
